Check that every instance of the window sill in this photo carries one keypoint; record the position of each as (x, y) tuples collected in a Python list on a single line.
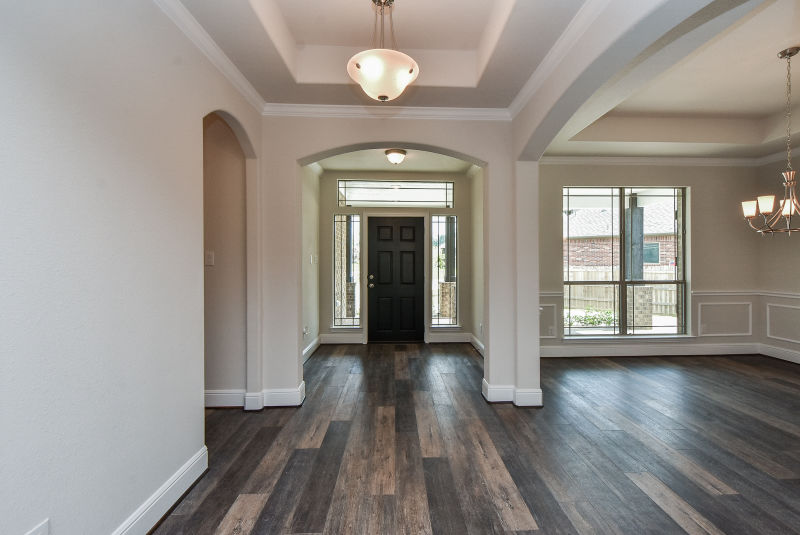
[(445, 327), (638, 337), (346, 327)]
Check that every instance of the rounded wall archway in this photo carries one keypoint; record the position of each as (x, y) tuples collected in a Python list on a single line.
[(231, 288)]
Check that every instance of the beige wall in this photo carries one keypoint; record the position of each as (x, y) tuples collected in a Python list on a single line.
[(310, 259), (722, 251), (462, 208), (224, 235), (102, 285)]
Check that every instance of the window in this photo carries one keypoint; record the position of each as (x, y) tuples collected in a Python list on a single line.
[(346, 270), (403, 193), (444, 279), (624, 257)]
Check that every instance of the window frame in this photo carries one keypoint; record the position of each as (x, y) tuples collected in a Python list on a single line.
[(456, 246), (354, 221), (621, 284)]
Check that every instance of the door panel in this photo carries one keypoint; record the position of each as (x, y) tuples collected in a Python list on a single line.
[(397, 278)]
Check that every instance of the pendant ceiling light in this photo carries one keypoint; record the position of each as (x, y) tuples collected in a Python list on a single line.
[(395, 156), (383, 73), (762, 214)]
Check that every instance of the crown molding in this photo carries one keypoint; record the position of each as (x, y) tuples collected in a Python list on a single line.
[(385, 112), (581, 22), (184, 20), (652, 160)]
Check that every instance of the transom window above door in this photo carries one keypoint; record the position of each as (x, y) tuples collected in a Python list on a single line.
[(400, 193)]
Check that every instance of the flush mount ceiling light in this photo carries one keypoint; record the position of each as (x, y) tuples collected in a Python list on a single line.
[(763, 215), (383, 73), (395, 156)]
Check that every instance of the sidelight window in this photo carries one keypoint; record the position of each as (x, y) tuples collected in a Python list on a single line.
[(624, 258), (347, 270), (444, 276)]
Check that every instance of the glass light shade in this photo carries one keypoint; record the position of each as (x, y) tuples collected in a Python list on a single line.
[(749, 208), (787, 208), (766, 203), (382, 73), (395, 156)]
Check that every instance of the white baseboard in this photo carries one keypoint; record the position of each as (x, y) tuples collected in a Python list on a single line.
[(310, 348), (445, 337), (150, 512), (497, 393), (254, 401), (653, 349), (528, 397), (522, 397), (477, 344), (224, 398), (780, 353), (285, 397), (354, 337)]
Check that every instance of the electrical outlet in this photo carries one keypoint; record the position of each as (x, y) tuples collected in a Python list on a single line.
[(43, 528), (551, 330), (209, 258), (305, 331)]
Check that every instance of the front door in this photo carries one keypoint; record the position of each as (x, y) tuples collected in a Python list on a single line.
[(396, 279)]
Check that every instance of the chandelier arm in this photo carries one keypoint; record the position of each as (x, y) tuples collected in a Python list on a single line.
[(391, 28), (374, 39)]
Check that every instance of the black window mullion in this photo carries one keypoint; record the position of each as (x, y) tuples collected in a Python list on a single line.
[(623, 266)]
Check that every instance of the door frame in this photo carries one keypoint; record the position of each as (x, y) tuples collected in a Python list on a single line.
[(426, 258)]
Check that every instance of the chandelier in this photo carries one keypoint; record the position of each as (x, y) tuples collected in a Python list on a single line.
[(383, 73), (763, 215)]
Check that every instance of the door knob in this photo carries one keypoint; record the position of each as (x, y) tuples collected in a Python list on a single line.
[(371, 285), (371, 277)]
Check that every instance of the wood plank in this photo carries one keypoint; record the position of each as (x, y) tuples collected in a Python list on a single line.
[(312, 509), (382, 470), (242, 516), (445, 511), (411, 505), (681, 512), (430, 436), (276, 515)]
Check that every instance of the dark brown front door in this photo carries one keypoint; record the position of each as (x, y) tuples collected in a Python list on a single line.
[(396, 279)]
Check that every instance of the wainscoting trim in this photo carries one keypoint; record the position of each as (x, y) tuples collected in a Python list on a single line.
[(653, 349), (224, 398), (769, 323), (711, 304), (285, 397), (555, 319), (310, 348), (150, 512)]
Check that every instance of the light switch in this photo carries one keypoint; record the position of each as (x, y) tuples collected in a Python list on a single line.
[(209, 258)]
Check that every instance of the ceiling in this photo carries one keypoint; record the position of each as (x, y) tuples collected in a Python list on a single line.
[(725, 98), (721, 95), (295, 51)]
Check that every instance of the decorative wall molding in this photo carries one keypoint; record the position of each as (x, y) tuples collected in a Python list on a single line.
[(555, 319), (354, 336), (184, 20), (285, 397), (477, 344), (749, 306), (437, 336), (385, 112), (651, 349), (225, 398), (651, 161), (310, 348), (150, 512), (551, 294), (769, 323)]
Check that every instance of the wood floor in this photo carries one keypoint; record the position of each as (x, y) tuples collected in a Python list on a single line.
[(397, 439)]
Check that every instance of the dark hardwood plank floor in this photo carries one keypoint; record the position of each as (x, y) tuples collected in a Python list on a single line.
[(396, 438)]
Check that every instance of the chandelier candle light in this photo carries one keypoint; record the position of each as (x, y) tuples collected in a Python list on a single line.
[(762, 215), (383, 73)]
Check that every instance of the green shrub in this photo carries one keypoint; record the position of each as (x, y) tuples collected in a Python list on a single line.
[(590, 318)]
